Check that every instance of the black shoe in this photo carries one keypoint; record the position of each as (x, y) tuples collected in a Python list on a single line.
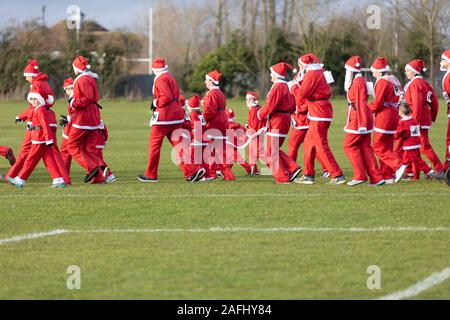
[(91, 175), (447, 177), (197, 176), (295, 174), (143, 178), (10, 157)]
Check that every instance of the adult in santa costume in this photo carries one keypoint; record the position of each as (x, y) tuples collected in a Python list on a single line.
[(280, 104), (255, 130), (66, 122), (422, 98), (167, 118), (214, 104), (317, 93), (41, 144), (445, 66), (236, 138), (85, 120), (387, 92), (359, 126), (38, 83)]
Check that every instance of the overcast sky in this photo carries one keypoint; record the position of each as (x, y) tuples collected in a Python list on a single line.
[(109, 13)]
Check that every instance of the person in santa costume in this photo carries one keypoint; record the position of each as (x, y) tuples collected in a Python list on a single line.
[(317, 93), (41, 144), (38, 83), (65, 122), (408, 136), (102, 140), (387, 93), (214, 104), (359, 126), (167, 119), (445, 66), (200, 147), (422, 98), (85, 121), (279, 106), (255, 130), (236, 138)]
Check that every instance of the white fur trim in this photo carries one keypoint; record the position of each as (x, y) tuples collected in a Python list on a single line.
[(36, 96), (85, 127), (384, 131), (319, 119), (412, 147), (50, 100), (155, 70), (213, 81), (274, 134), (386, 69), (30, 74), (347, 67), (274, 73)]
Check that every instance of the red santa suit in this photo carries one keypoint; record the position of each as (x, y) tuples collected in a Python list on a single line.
[(38, 84), (359, 126), (421, 97), (214, 104), (408, 134), (167, 119), (446, 93), (236, 138), (387, 92), (280, 104), (317, 93), (65, 153), (102, 140), (255, 131), (41, 144), (85, 117)]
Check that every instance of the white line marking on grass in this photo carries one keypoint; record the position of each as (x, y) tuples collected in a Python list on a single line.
[(435, 279), (32, 236)]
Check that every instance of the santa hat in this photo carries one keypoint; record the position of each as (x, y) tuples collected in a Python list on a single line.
[(35, 94), (68, 83), (416, 65), (279, 69), (380, 65), (214, 76), (194, 102), (159, 65), (308, 59), (32, 69), (446, 56), (80, 64), (230, 115), (353, 64), (251, 95)]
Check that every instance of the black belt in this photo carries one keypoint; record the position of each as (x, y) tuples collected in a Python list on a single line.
[(319, 100), (281, 111), (35, 128)]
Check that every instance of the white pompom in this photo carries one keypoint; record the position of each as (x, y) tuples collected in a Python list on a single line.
[(357, 64), (36, 67), (295, 70), (424, 69), (88, 66)]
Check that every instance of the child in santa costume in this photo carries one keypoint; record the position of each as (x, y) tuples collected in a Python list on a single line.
[(236, 138), (359, 126), (167, 119), (41, 144), (65, 122), (280, 104), (408, 136), (256, 130), (422, 98), (85, 121), (387, 93), (445, 66), (214, 104), (102, 140), (317, 93), (38, 83)]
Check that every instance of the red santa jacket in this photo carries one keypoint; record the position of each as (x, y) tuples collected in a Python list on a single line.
[(198, 124), (408, 133), (280, 104), (214, 105), (359, 117), (253, 123), (299, 120), (446, 90), (315, 90), (85, 112), (419, 95), (67, 127), (166, 100), (385, 105), (52, 122), (41, 132), (431, 110)]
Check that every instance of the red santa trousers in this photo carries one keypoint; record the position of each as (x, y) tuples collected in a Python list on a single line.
[(22, 156), (383, 146), (218, 159), (81, 146), (359, 151), (157, 135), (427, 150), (280, 163), (233, 155), (200, 157), (38, 152), (256, 151), (296, 138), (316, 145), (60, 162), (65, 154), (412, 158)]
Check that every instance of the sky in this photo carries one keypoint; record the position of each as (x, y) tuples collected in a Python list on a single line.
[(111, 14)]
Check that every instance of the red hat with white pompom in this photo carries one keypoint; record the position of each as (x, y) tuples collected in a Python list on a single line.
[(230, 114), (353, 64), (416, 65), (159, 65), (194, 102), (446, 56), (214, 76), (279, 69), (68, 83), (380, 65), (81, 64), (32, 69)]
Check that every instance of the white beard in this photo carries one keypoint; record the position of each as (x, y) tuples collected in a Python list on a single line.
[(348, 80)]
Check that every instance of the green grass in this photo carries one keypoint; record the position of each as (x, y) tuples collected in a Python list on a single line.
[(221, 265)]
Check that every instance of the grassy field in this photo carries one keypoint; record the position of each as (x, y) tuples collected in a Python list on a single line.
[(177, 244)]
